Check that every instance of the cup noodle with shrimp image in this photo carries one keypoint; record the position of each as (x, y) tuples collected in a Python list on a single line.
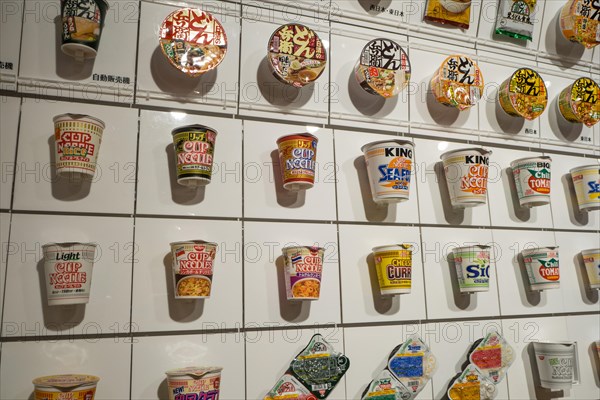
[(303, 269), (193, 268)]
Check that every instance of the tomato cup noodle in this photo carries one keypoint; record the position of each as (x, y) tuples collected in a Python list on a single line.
[(579, 22), (193, 41), (492, 356), (586, 180), (580, 102), (385, 386), (514, 18), (303, 267), (471, 384), (298, 158), (393, 264), (466, 172), (68, 269), (77, 139), (451, 12), (458, 82), (542, 267), (194, 150), (65, 387), (82, 23), (472, 268), (591, 259), (383, 68), (193, 262), (413, 364), (194, 383), (532, 180), (389, 167), (557, 364), (524, 94), (296, 55)]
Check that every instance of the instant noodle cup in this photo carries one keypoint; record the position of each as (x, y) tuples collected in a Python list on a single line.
[(451, 12), (557, 364), (82, 23), (298, 158), (586, 180), (493, 356), (472, 268), (591, 259), (77, 139), (413, 364), (303, 266), (524, 94), (389, 167), (194, 151), (458, 82), (65, 387), (466, 172), (580, 102), (393, 264), (471, 384), (579, 22), (514, 18), (288, 387), (193, 41), (193, 263), (385, 387), (542, 267), (68, 269), (532, 180), (296, 55), (383, 68), (194, 383)]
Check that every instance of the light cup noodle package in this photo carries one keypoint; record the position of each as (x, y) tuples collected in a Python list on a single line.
[(413, 364), (492, 355), (580, 22), (580, 102), (194, 383), (458, 82), (451, 12), (542, 267), (383, 68), (591, 260), (586, 181), (471, 384), (65, 387), (303, 271), (532, 180), (466, 172), (523, 94), (193, 265), (516, 18)]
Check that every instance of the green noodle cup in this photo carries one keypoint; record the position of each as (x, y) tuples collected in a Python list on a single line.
[(557, 363), (472, 268), (194, 151), (82, 24)]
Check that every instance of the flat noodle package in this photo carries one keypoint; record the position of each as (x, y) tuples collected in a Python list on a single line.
[(413, 364), (386, 387), (451, 12), (580, 22), (514, 18), (471, 384), (458, 82), (493, 356)]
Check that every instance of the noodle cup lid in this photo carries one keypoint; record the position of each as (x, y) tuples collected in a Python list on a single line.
[(78, 117), (590, 251), (193, 127), (380, 57), (388, 247), (385, 384), (584, 167), (65, 381), (193, 40), (293, 136), (192, 243), (461, 70), (413, 347), (518, 161), (481, 150), (529, 88), (479, 247), (312, 249), (469, 377), (196, 372), (493, 356), (70, 245), (583, 89), (387, 143), (527, 252)]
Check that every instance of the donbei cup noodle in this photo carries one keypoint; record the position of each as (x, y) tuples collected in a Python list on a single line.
[(68, 269), (557, 364), (451, 12), (303, 269), (194, 151), (466, 172), (393, 264), (591, 259), (580, 22), (296, 55), (194, 383), (288, 387), (77, 139), (413, 364), (524, 94), (193, 41), (65, 387), (193, 263), (386, 387), (580, 102), (82, 23), (471, 384), (532, 180), (493, 356), (389, 167), (383, 68), (298, 158), (586, 180), (542, 267), (472, 268), (515, 18), (458, 82)]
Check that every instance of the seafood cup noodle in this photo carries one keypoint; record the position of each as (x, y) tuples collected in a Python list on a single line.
[(586, 180), (466, 172)]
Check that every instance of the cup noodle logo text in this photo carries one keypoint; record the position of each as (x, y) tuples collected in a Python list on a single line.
[(477, 176), (75, 144), (198, 262), (67, 273)]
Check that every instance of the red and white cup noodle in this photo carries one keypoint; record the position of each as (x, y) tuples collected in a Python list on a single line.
[(542, 267), (77, 139), (65, 387), (557, 363), (303, 268), (389, 167), (466, 172), (586, 180), (193, 263), (68, 270), (298, 159), (532, 180), (472, 268), (591, 259), (194, 383)]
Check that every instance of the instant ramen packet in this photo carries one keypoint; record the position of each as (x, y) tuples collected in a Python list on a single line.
[(580, 22), (580, 102), (492, 356), (514, 18), (471, 384), (413, 364), (288, 387), (386, 387), (451, 12), (523, 94), (458, 82)]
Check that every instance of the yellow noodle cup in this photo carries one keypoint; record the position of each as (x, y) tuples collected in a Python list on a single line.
[(580, 102), (193, 262), (393, 264), (65, 387), (523, 94), (586, 181)]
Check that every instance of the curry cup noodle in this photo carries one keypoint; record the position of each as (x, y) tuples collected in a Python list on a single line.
[(389, 168), (580, 102), (194, 151), (591, 259), (413, 364), (492, 355), (557, 364), (523, 94), (541, 265), (298, 159), (303, 268), (193, 263), (386, 387), (65, 387), (532, 180), (82, 24), (466, 172), (77, 139), (194, 383), (586, 180), (458, 82), (393, 264), (472, 268), (471, 384)]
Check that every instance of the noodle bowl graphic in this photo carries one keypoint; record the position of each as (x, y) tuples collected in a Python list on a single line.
[(194, 286), (308, 287)]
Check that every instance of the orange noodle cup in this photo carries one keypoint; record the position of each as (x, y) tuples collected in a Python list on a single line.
[(586, 181), (82, 23), (580, 102), (466, 172), (193, 268), (579, 22), (65, 387), (194, 151), (458, 82), (524, 94), (303, 267), (298, 157), (532, 180), (194, 383)]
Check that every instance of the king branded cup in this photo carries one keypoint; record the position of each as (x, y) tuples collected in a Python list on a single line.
[(77, 139), (466, 172), (532, 180), (586, 180), (542, 267)]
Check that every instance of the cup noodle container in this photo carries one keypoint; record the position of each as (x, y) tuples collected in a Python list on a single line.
[(580, 102), (389, 167), (298, 157), (393, 264), (591, 259), (532, 180), (303, 266), (194, 383), (193, 268), (557, 364), (466, 173), (194, 150), (472, 268), (77, 139), (82, 23), (68, 269), (586, 180), (65, 387), (542, 267)]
